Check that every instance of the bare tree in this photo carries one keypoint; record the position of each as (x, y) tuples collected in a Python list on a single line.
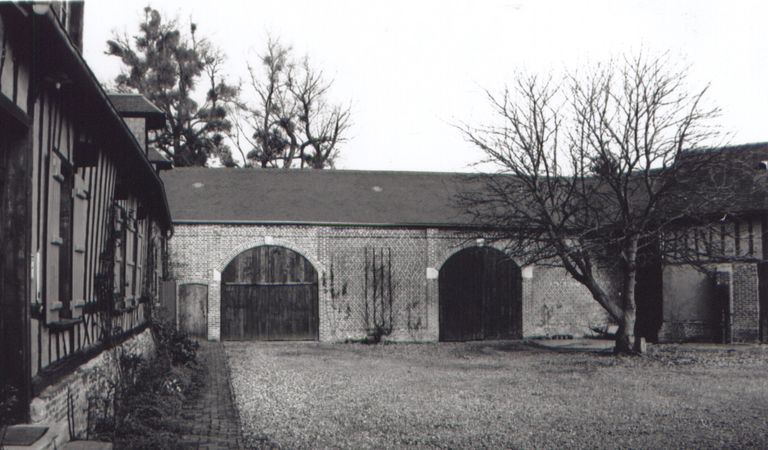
[(292, 123), (596, 170)]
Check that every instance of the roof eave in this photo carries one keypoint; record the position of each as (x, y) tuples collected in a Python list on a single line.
[(83, 73)]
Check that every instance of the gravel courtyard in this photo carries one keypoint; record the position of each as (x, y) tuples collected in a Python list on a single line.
[(498, 395)]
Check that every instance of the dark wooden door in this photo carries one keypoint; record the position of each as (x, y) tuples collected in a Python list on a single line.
[(269, 293), (762, 276), (480, 296), (649, 294)]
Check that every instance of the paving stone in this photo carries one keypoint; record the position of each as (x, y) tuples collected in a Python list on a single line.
[(211, 420)]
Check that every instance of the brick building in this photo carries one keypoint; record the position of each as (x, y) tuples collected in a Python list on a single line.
[(391, 253), (378, 242)]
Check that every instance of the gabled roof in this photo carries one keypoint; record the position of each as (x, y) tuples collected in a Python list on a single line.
[(222, 195), (136, 105)]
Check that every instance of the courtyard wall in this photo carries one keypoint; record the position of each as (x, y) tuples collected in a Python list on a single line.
[(553, 303)]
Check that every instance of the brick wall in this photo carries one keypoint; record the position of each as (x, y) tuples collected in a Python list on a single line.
[(745, 312), (560, 305), (552, 302), (50, 408)]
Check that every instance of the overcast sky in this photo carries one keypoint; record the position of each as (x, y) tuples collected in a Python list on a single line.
[(411, 69)]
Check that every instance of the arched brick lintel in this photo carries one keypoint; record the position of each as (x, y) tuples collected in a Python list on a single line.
[(245, 246), (466, 245)]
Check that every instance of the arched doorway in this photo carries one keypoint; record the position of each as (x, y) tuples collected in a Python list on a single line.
[(480, 291), (269, 293)]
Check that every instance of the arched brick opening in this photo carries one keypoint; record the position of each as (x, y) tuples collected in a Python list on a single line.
[(480, 296), (269, 292)]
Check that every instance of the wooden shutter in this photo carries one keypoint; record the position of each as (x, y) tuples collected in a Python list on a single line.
[(140, 257), (130, 226), (119, 224), (81, 199), (54, 241)]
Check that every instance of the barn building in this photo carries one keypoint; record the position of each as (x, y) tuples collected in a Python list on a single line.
[(337, 255), (344, 255), (84, 222)]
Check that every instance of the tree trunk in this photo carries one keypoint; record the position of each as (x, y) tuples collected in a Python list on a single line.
[(625, 336), (178, 158)]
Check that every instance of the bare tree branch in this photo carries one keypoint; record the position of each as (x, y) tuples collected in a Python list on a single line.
[(598, 171)]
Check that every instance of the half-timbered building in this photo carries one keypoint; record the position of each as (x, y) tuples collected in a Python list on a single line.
[(83, 216)]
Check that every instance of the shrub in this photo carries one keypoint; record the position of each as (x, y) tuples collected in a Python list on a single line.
[(8, 403), (148, 394), (173, 343)]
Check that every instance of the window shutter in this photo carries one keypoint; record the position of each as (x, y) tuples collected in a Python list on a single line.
[(81, 199), (54, 242), (131, 256)]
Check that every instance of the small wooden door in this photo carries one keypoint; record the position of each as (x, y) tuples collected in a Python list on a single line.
[(193, 309), (480, 292), (269, 293), (762, 276)]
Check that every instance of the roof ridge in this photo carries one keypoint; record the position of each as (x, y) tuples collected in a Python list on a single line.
[(329, 171), (744, 146)]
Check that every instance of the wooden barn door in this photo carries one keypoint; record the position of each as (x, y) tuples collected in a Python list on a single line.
[(480, 296), (269, 293), (193, 309)]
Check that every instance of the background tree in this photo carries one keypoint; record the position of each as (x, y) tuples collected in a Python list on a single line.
[(165, 65), (291, 123), (602, 167)]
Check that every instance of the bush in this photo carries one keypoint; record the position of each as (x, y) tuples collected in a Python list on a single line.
[(173, 343), (8, 404), (148, 394)]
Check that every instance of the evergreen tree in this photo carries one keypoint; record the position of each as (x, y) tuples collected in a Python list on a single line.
[(167, 66)]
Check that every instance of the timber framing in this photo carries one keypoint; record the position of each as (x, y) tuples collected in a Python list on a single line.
[(58, 50), (57, 371), (77, 262)]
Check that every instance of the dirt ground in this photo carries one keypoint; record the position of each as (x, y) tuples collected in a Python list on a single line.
[(499, 395)]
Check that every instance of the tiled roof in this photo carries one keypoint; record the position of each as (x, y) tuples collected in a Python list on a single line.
[(136, 105), (371, 197), (314, 196)]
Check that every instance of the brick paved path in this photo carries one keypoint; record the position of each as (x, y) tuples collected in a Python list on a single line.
[(211, 420)]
